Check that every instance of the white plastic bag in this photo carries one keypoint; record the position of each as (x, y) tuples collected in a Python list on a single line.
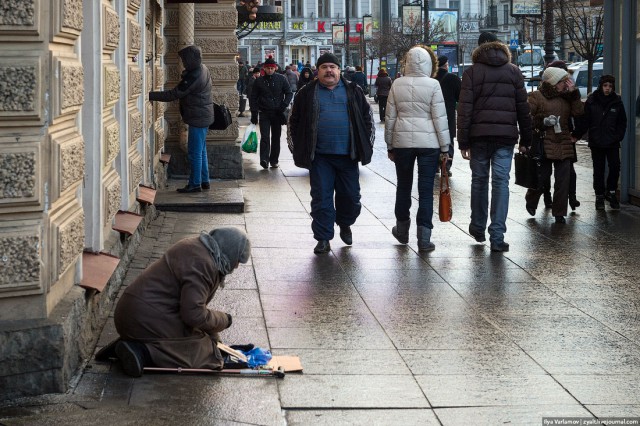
[(250, 139)]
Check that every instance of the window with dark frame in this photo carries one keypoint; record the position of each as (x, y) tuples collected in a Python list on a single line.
[(296, 8)]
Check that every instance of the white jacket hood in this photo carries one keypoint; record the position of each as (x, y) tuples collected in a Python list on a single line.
[(416, 116), (418, 63)]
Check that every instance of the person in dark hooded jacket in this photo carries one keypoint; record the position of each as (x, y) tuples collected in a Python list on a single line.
[(493, 114), (196, 109), (606, 120), (306, 76)]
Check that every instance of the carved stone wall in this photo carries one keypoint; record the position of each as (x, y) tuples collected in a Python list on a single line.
[(111, 139), (72, 14), (20, 259), (18, 176), (111, 36), (136, 171), (216, 45), (71, 160), (112, 198), (135, 37), (207, 18), (135, 81), (111, 85), (70, 241), (72, 85), (17, 12), (224, 72), (19, 84), (135, 126)]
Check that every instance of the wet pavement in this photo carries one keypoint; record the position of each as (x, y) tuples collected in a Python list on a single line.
[(388, 335)]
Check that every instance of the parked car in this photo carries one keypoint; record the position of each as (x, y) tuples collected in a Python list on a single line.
[(580, 77)]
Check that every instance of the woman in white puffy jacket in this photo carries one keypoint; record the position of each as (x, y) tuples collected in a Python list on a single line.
[(416, 129)]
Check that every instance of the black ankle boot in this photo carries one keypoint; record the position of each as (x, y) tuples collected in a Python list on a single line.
[(599, 202), (613, 200), (573, 202)]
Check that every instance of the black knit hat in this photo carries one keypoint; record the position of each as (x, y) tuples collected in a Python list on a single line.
[(327, 57), (442, 60), (269, 63), (486, 37), (607, 78)]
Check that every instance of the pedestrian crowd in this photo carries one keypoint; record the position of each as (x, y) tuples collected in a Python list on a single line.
[(331, 131)]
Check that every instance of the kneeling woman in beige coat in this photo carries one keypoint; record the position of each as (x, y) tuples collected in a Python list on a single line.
[(162, 317), (416, 131)]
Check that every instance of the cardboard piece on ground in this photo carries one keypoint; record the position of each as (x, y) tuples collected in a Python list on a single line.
[(224, 348), (289, 363)]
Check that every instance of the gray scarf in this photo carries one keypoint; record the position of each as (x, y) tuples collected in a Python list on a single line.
[(228, 246)]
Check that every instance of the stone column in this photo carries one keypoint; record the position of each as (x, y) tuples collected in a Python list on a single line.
[(187, 15)]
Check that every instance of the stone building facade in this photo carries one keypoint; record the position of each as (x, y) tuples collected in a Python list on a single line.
[(77, 138)]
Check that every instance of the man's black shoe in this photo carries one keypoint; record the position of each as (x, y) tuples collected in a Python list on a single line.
[(322, 247), (613, 200), (206, 186), (479, 236), (264, 164), (274, 165), (500, 247), (187, 189), (132, 363), (531, 210), (346, 235), (561, 219)]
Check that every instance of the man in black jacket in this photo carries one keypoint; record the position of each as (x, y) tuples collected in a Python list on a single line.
[(331, 128), (196, 109), (450, 84), (270, 97), (606, 120), (493, 116)]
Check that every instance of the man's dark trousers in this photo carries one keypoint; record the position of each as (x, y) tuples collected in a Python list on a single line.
[(270, 124), (331, 173)]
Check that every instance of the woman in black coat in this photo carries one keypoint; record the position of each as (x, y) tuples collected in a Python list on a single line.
[(305, 77)]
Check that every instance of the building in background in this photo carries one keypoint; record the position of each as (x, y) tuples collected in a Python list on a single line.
[(77, 139)]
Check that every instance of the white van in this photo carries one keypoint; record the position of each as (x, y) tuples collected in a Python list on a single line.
[(580, 77)]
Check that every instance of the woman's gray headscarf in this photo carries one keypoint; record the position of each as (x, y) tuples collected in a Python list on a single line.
[(228, 247)]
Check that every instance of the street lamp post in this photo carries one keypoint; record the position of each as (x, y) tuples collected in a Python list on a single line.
[(347, 29), (548, 32), (426, 22)]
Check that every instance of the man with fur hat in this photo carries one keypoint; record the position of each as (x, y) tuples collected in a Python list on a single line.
[(270, 97), (606, 120), (493, 114), (196, 108), (450, 84), (330, 130)]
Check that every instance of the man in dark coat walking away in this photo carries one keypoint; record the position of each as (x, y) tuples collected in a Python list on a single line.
[(383, 87), (450, 84), (270, 97), (492, 114), (330, 130), (360, 79), (196, 109), (606, 120)]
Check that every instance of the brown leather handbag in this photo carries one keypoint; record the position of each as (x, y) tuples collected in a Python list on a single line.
[(445, 210)]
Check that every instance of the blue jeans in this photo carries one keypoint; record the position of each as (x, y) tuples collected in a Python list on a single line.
[(331, 173), (405, 158), (197, 155), (487, 156)]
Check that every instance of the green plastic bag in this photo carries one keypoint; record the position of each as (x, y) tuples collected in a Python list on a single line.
[(250, 139)]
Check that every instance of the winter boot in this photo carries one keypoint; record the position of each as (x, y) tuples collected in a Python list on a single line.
[(599, 202), (424, 239), (613, 200), (401, 230), (573, 202)]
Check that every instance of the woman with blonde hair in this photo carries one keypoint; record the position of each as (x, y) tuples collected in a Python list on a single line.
[(416, 130)]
